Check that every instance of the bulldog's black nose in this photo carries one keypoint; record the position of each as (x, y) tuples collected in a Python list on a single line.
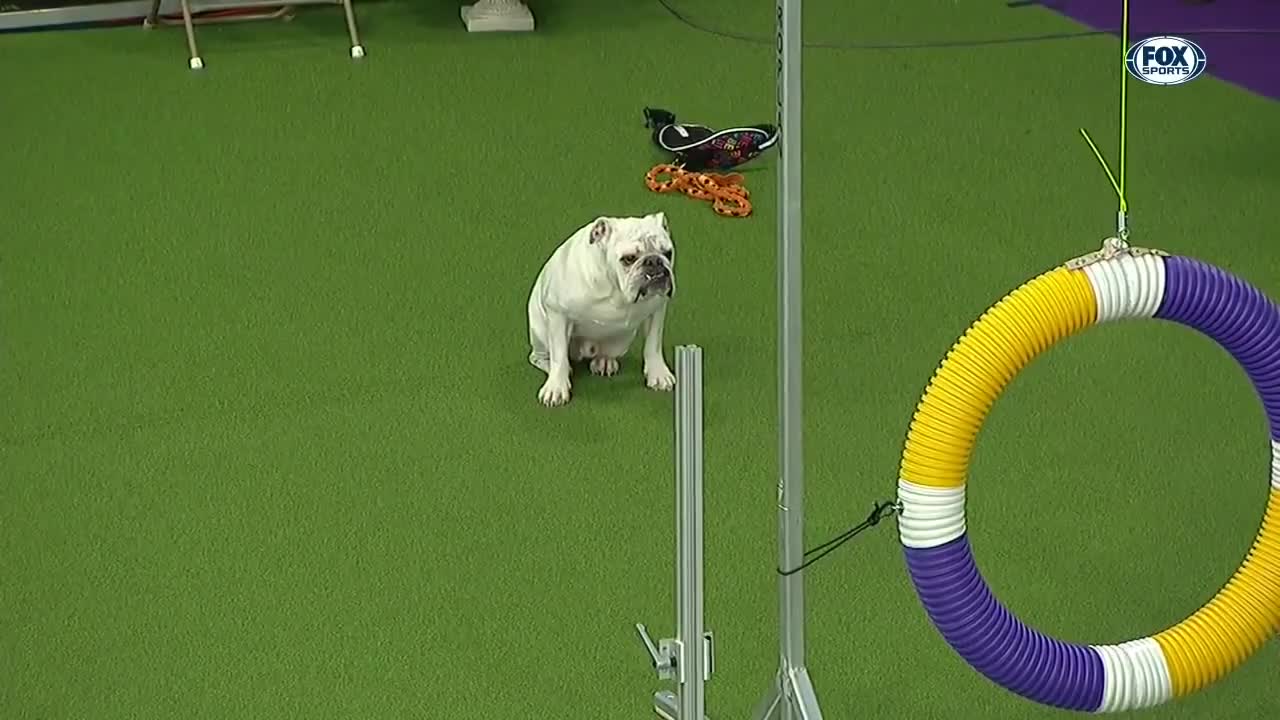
[(654, 262)]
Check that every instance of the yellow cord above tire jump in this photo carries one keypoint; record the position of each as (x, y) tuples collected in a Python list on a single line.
[(1140, 673)]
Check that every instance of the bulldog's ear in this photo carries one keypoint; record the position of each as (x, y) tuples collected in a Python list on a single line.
[(662, 218), (600, 230)]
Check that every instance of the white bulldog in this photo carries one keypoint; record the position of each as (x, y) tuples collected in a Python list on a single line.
[(593, 295)]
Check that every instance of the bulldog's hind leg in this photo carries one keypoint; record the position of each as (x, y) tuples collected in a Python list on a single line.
[(611, 351), (582, 349)]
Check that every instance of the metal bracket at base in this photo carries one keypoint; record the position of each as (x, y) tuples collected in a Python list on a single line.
[(667, 706), (665, 658), (665, 655)]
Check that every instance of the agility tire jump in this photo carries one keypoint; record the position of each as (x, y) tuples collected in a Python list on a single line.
[(1141, 673)]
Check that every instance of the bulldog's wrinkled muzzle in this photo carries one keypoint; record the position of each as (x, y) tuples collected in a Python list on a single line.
[(655, 278)]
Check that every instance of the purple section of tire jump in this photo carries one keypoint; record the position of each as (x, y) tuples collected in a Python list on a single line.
[(1237, 315), (1249, 61), (995, 642)]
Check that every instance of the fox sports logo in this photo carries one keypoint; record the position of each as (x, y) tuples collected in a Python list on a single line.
[(1165, 60)]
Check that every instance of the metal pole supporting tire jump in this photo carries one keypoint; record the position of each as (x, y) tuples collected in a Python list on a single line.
[(791, 695)]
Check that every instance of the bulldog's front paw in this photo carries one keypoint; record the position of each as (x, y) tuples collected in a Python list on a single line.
[(554, 392), (605, 366), (659, 377)]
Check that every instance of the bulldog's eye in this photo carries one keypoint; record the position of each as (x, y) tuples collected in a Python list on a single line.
[(666, 254), (628, 259)]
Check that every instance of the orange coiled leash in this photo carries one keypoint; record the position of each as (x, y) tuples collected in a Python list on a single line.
[(726, 193)]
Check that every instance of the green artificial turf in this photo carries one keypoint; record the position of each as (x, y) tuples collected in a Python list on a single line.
[(269, 442)]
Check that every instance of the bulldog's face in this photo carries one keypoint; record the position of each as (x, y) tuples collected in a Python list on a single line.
[(640, 254)]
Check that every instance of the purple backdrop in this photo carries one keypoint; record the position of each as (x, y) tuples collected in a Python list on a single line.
[(1250, 61)]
